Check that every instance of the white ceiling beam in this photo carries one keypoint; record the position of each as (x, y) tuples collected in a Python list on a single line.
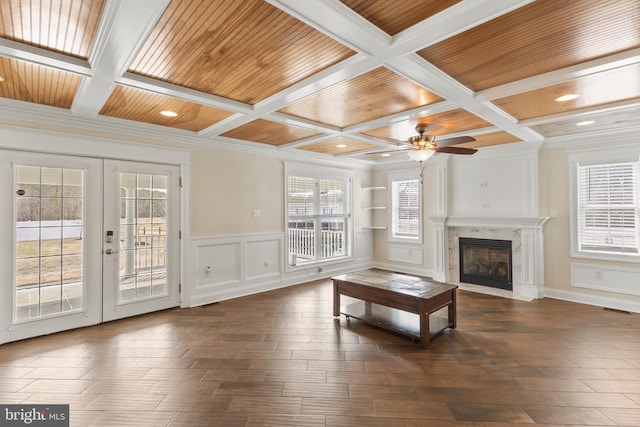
[(47, 58), (123, 30), (181, 92), (579, 114), (622, 59), (450, 22)]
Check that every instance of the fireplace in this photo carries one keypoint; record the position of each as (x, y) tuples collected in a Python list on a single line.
[(486, 262)]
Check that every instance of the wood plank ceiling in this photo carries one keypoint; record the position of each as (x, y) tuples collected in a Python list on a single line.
[(325, 77)]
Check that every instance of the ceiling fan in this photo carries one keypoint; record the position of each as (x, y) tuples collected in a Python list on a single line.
[(422, 146)]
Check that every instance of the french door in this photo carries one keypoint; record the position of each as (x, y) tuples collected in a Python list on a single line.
[(84, 240), (141, 233)]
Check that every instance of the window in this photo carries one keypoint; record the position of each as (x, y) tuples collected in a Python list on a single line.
[(318, 214), (405, 208), (607, 212)]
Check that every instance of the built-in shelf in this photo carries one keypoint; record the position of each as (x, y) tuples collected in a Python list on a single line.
[(375, 208)]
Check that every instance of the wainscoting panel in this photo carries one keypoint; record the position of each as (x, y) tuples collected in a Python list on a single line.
[(264, 258), (218, 264), (240, 265), (405, 254), (610, 279)]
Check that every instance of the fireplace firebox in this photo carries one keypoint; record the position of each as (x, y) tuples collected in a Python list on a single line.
[(486, 262)]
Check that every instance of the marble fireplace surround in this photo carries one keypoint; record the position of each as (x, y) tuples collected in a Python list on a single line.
[(525, 235)]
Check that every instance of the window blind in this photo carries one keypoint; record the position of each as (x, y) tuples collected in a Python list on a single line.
[(406, 208), (608, 207), (300, 196)]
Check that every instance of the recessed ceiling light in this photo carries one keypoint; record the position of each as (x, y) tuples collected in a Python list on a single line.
[(585, 123), (1, 79), (168, 113), (385, 154), (567, 97), (341, 145)]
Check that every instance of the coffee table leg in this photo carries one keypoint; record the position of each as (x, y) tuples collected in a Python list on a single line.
[(453, 315), (425, 337), (336, 300)]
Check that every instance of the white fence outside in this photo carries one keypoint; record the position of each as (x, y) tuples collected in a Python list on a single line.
[(302, 243)]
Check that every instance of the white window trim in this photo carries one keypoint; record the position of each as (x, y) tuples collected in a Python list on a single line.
[(400, 176), (315, 171), (595, 156)]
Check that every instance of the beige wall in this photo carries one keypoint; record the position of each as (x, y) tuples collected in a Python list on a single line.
[(226, 186), (554, 195)]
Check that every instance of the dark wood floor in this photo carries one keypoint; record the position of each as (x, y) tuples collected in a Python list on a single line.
[(281, 359)]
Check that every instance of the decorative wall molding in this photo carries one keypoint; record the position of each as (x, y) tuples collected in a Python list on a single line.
[(605, 278), (406, 254)]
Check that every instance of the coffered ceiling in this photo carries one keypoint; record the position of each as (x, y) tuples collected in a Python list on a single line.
[(324, 77)]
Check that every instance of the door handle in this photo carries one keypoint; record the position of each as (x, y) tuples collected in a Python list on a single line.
[(110, 252)]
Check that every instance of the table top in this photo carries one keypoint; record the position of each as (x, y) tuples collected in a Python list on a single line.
[(416, 286)]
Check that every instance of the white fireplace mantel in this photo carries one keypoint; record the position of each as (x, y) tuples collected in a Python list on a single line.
[(529, 282), (491, 222)]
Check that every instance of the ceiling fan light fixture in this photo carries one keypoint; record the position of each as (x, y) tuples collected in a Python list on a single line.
[(420, 155)]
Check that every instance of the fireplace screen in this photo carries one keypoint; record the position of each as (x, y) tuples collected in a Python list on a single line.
[(486, 262)]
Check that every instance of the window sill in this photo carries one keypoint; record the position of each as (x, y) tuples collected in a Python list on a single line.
[(604, 256)]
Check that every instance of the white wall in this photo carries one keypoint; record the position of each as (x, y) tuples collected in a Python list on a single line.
[(489, 185)]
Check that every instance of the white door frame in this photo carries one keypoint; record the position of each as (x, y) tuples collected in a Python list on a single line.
[(91, 311), (113, 307)]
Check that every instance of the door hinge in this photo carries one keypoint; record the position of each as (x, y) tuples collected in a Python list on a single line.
[(180, 182), (179, 234), (179, 287)]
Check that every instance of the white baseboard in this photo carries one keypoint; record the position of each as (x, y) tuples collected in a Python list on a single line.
[(237, 291), (596, 300)]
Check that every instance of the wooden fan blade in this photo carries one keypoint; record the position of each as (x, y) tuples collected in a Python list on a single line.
[(456, 150), (453, 141)]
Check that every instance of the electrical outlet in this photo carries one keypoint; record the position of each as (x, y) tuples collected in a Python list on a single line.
[(266, 264)]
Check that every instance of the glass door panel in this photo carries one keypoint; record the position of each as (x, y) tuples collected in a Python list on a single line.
[(143, 236), (49, 248)]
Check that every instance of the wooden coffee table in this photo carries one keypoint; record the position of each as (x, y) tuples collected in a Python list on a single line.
[(397, 302)]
